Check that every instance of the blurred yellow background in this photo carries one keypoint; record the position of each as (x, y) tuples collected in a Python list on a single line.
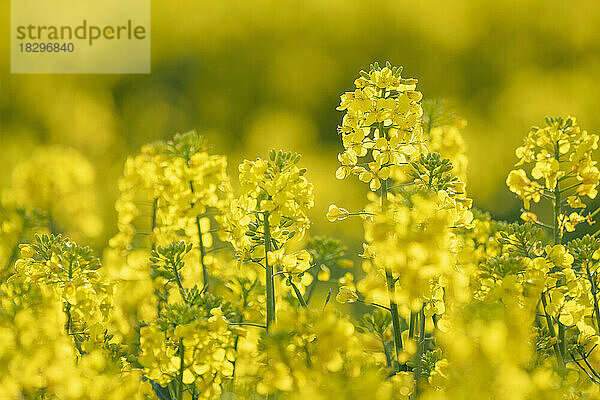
[(255, 75)]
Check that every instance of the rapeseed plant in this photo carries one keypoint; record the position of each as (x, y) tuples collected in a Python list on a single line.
[(207, 292)]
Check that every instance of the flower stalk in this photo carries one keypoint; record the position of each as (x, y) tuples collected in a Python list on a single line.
[(552, 331), (594, 293), (391, 285), (298, 294), (181, 369), (270, 287), (557, 241), (421, 345), (201, 245)]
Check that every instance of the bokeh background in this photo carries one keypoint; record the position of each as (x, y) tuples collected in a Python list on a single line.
[(255, 75)]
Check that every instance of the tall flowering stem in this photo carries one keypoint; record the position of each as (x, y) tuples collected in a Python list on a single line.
[(383, 123), (560, 154), (270, 212), (382, 120)]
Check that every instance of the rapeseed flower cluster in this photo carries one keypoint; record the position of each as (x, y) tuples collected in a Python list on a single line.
[(71, 272), (53, 327), (382, 121), (560, 158)]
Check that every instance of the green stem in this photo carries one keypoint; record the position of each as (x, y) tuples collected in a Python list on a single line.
[(311, 288), (247, 324), (562, 345), (202, 253), (237, 336), (70, 328), (181, 369), (154, 211), (388, 359), (592, 370), (374, 305), (552, 332), (593, 283), (411, 326), (557, 240), (298, 294), (422, 322), (391, 286), (180, 284), (571, 187), (584, 370), (153, 247), (592, 215), (200, 245), (395, 315), (420, 349), (270, 287)]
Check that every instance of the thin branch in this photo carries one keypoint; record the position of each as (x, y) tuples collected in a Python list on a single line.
[(246, 324), (584, 370), (374, 305), (298, 294), (592, 370)]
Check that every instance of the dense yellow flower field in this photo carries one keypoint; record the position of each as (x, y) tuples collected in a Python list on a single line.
[(216, 285)]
